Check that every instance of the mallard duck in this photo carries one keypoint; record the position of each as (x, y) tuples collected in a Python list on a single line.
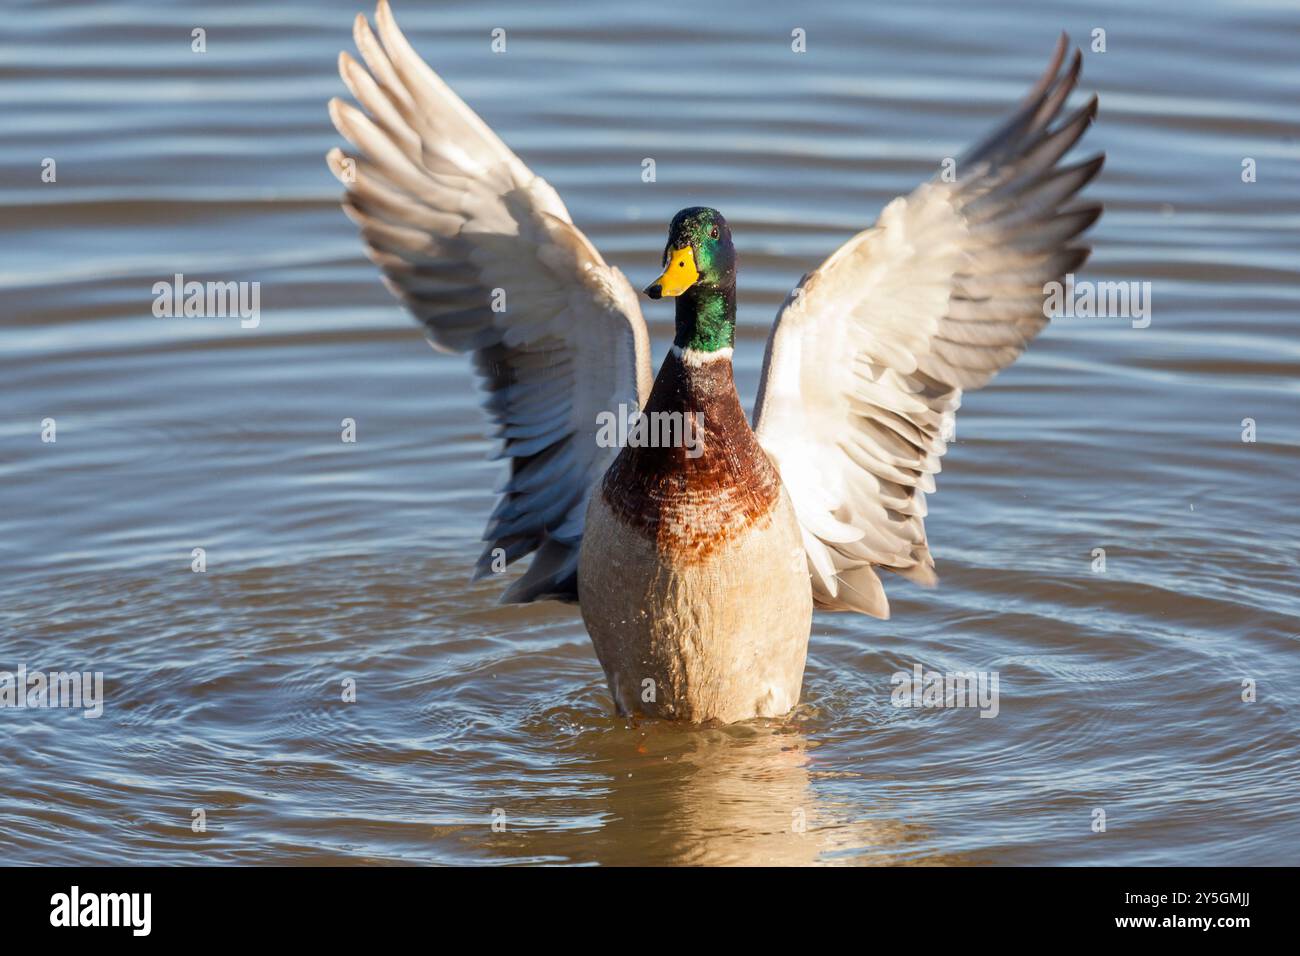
[(697, 568)]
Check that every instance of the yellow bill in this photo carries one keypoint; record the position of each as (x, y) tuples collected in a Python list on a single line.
[(678, 276)]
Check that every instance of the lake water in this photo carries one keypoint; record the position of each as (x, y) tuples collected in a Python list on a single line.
[(1121, 690)]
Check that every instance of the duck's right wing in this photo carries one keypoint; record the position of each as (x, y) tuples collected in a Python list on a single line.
[(483, 253)]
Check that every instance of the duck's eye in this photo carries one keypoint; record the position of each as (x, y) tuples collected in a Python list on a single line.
[(713, 233)]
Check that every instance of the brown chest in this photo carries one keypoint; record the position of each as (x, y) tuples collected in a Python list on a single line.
[(694, 477)]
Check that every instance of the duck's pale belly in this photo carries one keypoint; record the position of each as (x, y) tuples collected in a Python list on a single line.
[(719, 634)]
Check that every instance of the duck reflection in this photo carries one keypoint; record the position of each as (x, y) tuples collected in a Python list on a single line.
[(738, 795)]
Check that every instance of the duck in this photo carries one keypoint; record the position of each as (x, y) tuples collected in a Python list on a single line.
[(697, 565)]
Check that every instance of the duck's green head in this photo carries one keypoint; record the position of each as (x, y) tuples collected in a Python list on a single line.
[(700, 271), (699, 253)]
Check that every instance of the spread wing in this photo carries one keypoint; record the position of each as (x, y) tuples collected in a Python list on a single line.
[(868, 358), (483, 253)]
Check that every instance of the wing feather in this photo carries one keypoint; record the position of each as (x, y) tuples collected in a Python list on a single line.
[(455, 221), (868, 359)]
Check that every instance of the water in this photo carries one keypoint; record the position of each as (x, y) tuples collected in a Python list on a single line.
[(1120, 691)]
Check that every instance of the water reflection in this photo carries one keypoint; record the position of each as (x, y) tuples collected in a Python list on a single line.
[(740, 795)]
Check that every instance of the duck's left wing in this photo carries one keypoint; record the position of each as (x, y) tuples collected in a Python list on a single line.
[(868, 358), (483, 253)]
